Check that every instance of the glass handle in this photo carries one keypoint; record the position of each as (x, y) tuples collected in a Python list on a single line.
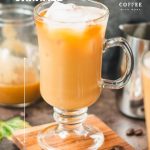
[(120, 82)]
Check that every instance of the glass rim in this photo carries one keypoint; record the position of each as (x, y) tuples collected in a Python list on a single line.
[(28, 20), (142, 60), (39, 17)]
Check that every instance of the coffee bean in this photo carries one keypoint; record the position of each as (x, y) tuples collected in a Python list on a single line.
[(130, 132), (138, 132), (117, 147)]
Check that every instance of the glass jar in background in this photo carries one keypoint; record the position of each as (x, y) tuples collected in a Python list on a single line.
[(19, 73)]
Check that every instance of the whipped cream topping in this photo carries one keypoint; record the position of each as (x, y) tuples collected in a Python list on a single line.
[(73, 13)]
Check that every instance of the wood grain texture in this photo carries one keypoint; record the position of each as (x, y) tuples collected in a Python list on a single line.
[(111, 138)]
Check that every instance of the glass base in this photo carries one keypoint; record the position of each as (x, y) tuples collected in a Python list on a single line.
[(21, 105), (69, 132)]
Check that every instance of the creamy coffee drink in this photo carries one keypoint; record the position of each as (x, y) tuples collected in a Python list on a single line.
[(71, 43), (71, 39)]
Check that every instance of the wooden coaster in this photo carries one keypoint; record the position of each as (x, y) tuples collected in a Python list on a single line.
[(111, 138)]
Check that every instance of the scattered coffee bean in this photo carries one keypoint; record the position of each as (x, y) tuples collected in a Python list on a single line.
[(117, 147), (130, 132), (138, 132)]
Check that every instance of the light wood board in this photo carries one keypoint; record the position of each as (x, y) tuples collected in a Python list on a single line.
[(111, 138)]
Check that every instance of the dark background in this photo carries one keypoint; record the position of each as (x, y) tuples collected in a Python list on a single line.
[(111, 60)]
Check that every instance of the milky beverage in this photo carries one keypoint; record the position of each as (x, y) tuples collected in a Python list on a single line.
[(71, 41), (146, 86)]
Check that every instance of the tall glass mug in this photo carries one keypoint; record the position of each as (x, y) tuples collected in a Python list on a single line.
[(146, 88), (70, 69)]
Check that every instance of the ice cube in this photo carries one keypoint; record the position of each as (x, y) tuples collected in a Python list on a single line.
[(73, 13)]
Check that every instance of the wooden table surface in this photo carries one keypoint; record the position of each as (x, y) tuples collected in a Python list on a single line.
[(105, 108)]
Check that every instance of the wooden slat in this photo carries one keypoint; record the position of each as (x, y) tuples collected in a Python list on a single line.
[(111, 138)]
